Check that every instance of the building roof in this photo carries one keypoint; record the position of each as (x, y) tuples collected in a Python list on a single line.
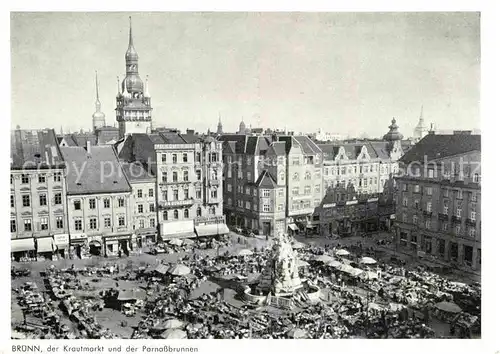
[(433, 147), (266, 180), (96, 171), (35, 146), (138, 172), (308, 145)]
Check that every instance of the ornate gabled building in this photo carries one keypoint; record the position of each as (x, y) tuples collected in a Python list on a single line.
[(133, 102)]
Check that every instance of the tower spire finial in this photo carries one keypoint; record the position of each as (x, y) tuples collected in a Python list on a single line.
[(96, 87), (130, 40), (422, 112)]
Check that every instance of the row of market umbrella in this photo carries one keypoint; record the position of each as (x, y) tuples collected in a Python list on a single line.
[(176, 269)]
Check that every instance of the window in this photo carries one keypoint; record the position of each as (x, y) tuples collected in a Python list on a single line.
[(248, 205), (429, 207), (176, 194), (106, 202), (165, 215), (307, 190), (13, 226), (41, 178), (281, 192), (458, 229), (240, 174), (229, 172), (459, 194), (266, 208), (458, 210), (151, 207), (247, 191), (249, 161), (186, 213), (25, 179), (295, 176), (198, 212), (176, 214), (152, 223), (255, 192), (58, 198), (212, 210), (295, 191), (296, 160), (26, 201), (214, 157), (417, 204), (184, 157), (92, 203), (174, 176), (249, 176), (445, 207), (317, 188), (229, 201), (140, 209), (198, 157), (78, 225), (365, 182), (308, 176), (416, 188), (430, 173), (141, 224), (163, 157), (429, 191), (12, 199), (266, 193), (229, 187), (213, 193), (186, 176), (107, 222), (405, 187), (198, 175), (326, 171), (174, 158), (27, 225), (343, 171), (121, 202), (151, 192), (476, 178), (198, 194), (444, 226), (472, 232), (282, 177), (93, 224), (164, 177), (415, 219), (427, 224), (43, 199), (11, 179), (57, 177), (405, 202), (280, 207), (139, 193), (317, 175)]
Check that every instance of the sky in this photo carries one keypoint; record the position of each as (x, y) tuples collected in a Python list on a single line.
[(346, 73)]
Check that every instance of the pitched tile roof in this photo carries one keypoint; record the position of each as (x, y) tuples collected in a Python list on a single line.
[(307, 144), (35, 146), (96, 172), (266, 180), (138, 172), (435, 147)]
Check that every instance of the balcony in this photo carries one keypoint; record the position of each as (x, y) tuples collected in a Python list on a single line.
[(470, 222), (175, 203), (214, 182), (456, 219), (442, 216), (179, 181)]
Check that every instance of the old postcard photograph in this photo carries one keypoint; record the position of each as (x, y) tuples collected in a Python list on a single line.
[(245, 175)]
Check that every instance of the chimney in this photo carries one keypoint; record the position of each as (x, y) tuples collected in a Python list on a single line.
[(88, 147), (47, 160)]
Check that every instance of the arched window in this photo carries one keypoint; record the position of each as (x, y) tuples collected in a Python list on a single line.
[(176, 214), (198, 212), (186, 213), (282, 177)]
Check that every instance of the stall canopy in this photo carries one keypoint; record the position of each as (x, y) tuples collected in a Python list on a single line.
[(448, 307), (368, 260), (211, 230), (22, 245), (177, 229), (45, 244), (342, 253), (293, 227), (162, 269)]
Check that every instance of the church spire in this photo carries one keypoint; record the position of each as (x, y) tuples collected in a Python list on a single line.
[(98, 118), (97, 102)]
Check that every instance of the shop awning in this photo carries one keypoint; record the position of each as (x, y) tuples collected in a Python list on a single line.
[(61, 241), (45, 244), (293, 227), (179, 235), (22, 245), (211, 230)]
